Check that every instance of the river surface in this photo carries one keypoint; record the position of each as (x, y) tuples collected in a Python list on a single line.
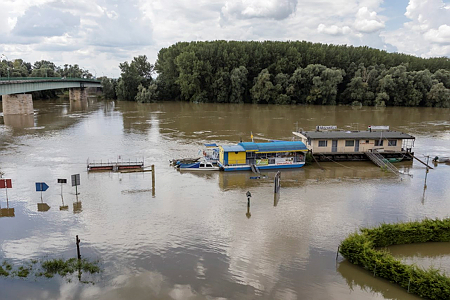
[(191, 237)]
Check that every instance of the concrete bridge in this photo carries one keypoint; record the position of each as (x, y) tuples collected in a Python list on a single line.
[(15, 101)]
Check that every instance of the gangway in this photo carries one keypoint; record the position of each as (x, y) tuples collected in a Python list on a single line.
[(383, 163), (255, 169)]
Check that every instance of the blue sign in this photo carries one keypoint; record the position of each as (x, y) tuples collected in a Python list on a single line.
[(41, 186)]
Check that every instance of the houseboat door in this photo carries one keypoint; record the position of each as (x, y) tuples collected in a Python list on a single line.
[(334, 144), (356, 145)]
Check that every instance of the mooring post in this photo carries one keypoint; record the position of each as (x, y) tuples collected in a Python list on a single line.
[(337, 253), (277, 182), (78, 247), (153, 175)]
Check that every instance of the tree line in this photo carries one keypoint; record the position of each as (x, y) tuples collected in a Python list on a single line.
[(284, 73)]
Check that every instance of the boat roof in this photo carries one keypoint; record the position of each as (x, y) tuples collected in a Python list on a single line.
[(266, 147), (213, 145), (369, 135)]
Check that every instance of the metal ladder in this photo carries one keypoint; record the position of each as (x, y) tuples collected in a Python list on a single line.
[(255, 169), (383, 163)]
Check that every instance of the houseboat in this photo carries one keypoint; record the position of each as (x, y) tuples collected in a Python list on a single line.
[(327, 143), (262, 156)]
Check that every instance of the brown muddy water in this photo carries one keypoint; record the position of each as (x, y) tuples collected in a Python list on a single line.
[(194, 238)]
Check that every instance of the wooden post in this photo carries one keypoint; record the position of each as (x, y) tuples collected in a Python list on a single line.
[(78, 247), (277, 182), (153, 175)]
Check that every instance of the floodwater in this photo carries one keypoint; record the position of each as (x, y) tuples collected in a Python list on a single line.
[(192, 237)]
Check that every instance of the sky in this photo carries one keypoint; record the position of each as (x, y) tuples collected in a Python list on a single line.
[(99, 34)]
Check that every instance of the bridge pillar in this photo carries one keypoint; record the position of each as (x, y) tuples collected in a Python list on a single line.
[(77, 94), (17, 104)]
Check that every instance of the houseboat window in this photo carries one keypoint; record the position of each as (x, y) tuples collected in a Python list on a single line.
[(309, 142), (392, 143), (378, 142), (322, 143), (367, 141), (349, 143)]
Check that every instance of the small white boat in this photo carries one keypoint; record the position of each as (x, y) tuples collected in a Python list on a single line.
[(199, 166)]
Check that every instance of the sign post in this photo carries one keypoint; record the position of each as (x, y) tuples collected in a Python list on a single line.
[(41, 187), (76, 182), (62, 181), (6, 184)]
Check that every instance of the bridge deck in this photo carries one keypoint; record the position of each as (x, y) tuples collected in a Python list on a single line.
[(19, 85)]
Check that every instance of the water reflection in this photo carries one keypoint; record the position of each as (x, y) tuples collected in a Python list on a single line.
[(194, 238), (42, 207), (357, 277), (79, 105), (7, 212), (77, 206), (19, 121)]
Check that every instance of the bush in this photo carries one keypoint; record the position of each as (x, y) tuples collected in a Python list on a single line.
[(361, 249)]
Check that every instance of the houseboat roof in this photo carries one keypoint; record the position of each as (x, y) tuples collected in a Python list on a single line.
[(276, 146), (369, 135)]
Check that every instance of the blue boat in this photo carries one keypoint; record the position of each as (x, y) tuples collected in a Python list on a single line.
[(262, 156)]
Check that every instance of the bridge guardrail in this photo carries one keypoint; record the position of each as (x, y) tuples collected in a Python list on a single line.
[(48, 79)]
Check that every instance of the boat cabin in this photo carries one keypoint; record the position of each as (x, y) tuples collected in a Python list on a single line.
[(339, 141), (269, 155)]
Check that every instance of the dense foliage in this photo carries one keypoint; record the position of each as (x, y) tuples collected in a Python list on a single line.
[(298, 73), (43, 68), (361, 249)]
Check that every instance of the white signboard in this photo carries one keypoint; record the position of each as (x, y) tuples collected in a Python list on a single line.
[(330, 127), (284, 160), (378, 127)]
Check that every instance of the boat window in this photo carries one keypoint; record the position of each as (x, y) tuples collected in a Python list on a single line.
[(209, 165), (392, 143), (323, 143), (367, 141), (378, 142), (349, 143), (202, 165)]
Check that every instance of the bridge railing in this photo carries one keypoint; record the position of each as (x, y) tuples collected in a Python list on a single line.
[(48, 78)]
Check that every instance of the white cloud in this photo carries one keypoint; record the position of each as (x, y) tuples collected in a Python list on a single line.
[(247, 9), (428, 32), (101, 33), (333, 29), (439, 36), (367, 21)]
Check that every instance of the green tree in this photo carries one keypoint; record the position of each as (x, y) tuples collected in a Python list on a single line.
[(263, 90), (147, 94), (438, 96), (133, 74), (238, 79)]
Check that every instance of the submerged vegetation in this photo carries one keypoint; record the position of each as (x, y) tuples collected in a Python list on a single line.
[(362, 249), (49, 268), (294, 72)]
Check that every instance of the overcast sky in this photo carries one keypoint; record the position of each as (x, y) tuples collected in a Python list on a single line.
[(99, 34)]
